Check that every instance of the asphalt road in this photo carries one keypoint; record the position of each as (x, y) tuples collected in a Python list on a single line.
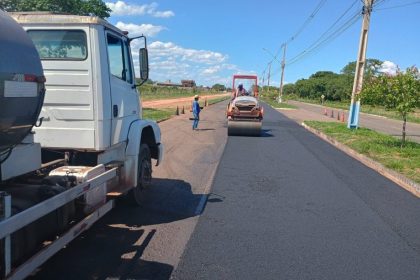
[(290, 206)]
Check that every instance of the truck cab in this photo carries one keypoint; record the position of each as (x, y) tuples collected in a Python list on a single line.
[(92, 103)]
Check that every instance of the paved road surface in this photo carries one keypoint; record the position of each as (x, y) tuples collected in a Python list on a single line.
[(378, 123), (147, 242), (290, 206)]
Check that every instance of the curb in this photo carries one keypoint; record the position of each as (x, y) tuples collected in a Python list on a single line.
[(162, 120), (397, 178)]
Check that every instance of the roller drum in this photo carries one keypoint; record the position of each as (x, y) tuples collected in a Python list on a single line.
[(244, 128)]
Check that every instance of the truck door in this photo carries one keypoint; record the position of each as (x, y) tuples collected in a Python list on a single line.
[(124, 96)]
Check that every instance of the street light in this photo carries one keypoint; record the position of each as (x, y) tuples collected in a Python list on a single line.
[(281, 81)]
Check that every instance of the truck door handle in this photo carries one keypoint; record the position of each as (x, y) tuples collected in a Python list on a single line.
[(115, 110)]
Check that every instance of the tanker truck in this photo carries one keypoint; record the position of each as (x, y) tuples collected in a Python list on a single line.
[(72, 139)]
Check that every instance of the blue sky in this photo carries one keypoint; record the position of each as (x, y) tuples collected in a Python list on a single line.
[(209, 41)]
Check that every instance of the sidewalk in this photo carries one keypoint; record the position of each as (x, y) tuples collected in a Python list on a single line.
[(385, 125)]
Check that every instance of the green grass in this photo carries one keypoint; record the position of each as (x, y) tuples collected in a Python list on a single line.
[(382, 148), (149, 92), (369, 109), (158, 114), (217, 100)]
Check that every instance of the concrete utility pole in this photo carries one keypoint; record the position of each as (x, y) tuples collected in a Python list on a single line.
[(269, 73), (283, 64), (353, 120), (263, 78)]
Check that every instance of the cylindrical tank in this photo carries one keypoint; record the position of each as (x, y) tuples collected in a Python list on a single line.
[(21, 83)]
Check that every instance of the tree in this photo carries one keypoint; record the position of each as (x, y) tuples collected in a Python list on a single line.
[(218, 87), (400, 92), (372, 68), (76, 7), (289, 89)]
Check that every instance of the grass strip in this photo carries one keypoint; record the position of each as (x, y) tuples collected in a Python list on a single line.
[(217, 100), (158, 114), (382, 148)]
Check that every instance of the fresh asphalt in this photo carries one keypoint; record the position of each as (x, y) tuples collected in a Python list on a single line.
[(289, 206)]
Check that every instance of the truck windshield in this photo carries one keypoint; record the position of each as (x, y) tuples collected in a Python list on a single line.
[(60, 44)]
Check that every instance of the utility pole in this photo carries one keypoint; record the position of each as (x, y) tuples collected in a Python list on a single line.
[(263, 77), (283, 64), (269, 73), (353, 120)]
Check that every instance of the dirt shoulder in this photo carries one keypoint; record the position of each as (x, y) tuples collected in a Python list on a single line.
[(182, 101)]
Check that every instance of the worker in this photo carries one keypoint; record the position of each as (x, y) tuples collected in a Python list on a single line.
[(196, 112), (241, 90)]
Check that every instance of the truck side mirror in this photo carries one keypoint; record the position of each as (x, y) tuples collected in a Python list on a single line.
[(144, 64)]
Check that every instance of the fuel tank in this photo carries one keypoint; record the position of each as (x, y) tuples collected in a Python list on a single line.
[(21, 83)]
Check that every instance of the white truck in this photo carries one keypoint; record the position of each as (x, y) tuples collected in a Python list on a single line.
[(72, 138)]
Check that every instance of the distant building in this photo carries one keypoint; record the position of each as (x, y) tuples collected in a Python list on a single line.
[(188, 83), (168, 83)]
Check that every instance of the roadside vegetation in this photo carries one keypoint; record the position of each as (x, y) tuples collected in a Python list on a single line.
[(151, 91), (399, 92), (217, 100), (395, 95), (158, 114), (271, 97), (382, 148)]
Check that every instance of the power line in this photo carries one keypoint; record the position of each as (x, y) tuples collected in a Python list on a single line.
[(378, 3), (304, 25), (307, 21), (399, 6), (327, 40), (330, 34)]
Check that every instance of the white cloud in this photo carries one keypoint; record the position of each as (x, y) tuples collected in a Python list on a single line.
[(211, 70), (120, 8), (165, 14), (389, 67), (169, 61), (134, 29), (170, 49)]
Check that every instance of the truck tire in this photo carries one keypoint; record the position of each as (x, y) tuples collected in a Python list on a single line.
[(144, 175)]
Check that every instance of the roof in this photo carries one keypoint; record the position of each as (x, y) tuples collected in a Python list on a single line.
[(244, 76), (54, 18)]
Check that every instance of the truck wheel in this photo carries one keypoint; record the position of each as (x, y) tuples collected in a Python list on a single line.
[(144, 175)]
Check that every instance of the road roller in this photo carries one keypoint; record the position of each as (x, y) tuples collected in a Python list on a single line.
[(244, 112)]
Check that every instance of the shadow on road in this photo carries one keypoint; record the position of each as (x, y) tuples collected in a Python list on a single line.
[(113, 247), (213, 197), (205, 129), (266, 133)]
